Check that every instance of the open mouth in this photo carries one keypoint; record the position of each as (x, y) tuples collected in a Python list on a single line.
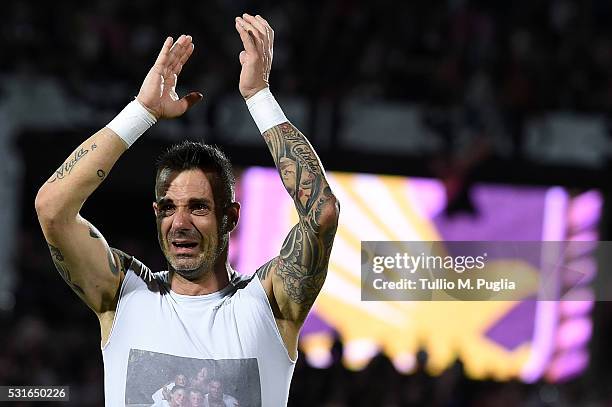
[(188, 245), (184, 246)]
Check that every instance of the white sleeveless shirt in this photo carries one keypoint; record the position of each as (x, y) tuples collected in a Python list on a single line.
[(158, 335)]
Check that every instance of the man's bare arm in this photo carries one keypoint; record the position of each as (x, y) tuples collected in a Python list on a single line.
[(294, 278), (85, 262), (299, 271), (79, 251)]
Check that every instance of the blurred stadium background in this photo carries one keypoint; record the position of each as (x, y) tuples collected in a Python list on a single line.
[(441, 120)]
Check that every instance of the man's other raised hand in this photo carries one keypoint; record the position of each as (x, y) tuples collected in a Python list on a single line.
[(158, 91)]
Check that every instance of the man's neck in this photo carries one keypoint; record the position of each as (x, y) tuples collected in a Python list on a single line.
[(210, 282)]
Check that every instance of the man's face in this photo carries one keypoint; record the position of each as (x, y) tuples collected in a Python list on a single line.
[(215, 390), (196, 398), (287, 171), (177, 398), (187, 224)]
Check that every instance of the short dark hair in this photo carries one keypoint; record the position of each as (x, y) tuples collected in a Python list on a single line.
[(196, 154)]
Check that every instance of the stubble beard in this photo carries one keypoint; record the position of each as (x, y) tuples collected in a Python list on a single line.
[(192, 268), (204, 263)]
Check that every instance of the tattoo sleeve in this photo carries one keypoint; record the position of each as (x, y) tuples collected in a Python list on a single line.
[(302, 264)]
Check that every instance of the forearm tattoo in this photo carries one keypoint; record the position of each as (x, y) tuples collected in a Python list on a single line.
[(69, 165), (66, 168), (302, 264)]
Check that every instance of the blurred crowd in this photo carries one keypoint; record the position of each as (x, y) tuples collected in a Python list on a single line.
[(487, 66), (516, 54)]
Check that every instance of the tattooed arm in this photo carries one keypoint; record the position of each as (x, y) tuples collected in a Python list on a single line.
[(78, 250), (81, 255), (294, 278), (298, 273)]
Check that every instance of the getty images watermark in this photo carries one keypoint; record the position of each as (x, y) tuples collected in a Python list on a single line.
[(477, 271)]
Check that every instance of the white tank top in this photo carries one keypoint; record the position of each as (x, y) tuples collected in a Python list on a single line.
[(229, 336)]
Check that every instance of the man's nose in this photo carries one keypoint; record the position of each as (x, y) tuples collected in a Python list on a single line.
[(182, 219)]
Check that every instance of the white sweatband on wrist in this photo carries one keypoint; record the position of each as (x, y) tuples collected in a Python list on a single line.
[(265, 110), (132, 122)]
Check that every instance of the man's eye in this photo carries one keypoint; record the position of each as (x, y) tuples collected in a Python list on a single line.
[(200, 209), (166, 210)]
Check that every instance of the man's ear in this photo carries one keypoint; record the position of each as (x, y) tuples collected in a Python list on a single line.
[(233, 214), (155, 209)]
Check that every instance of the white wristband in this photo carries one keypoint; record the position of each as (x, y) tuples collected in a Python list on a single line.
[(265, 110), (132, 122)]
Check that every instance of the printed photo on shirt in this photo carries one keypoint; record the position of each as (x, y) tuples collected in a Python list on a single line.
[(161, 380)]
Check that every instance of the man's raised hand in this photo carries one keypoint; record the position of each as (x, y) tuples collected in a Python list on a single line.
[(158, 91), (256, 59)]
